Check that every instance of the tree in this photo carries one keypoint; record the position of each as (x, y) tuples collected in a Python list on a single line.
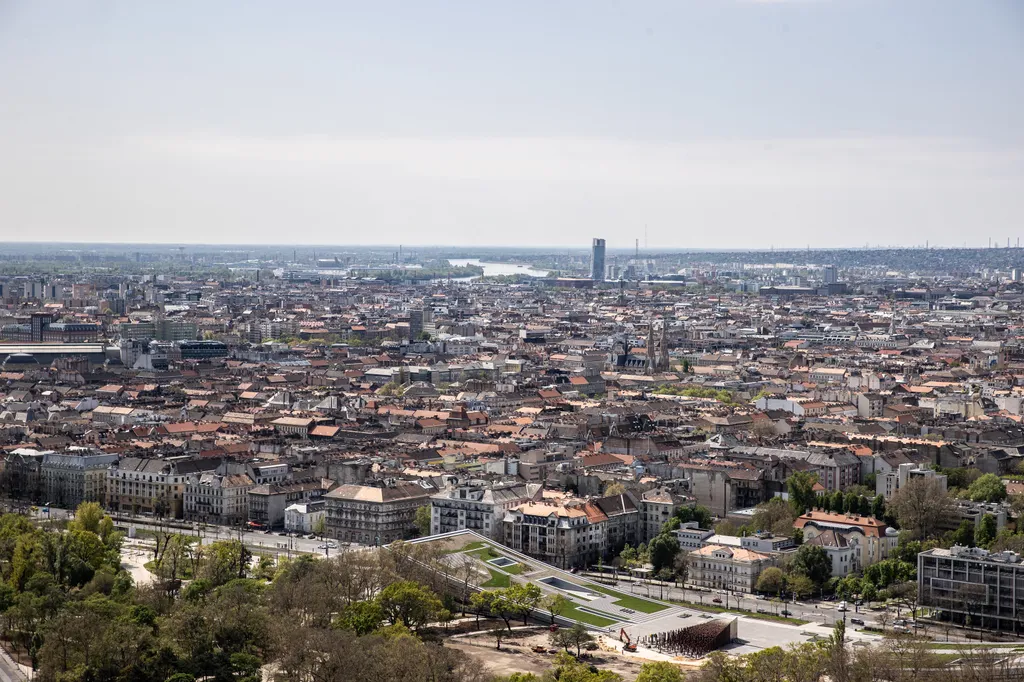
[(964, 534), (701, 515), (837, 503), (987, 488), (556, 605), (320, 527), (848, 587), (663, 550), (852, 503), (813, 562), (423, 520), (801, 491), (772, 580), (614, 488), (987, 530), (523, 598), (408, 603), (88, 516), (498, 634), (660, 671), (801, 585), (578, 636), (775, 516), (921, 506), (878, 507), (362, 617)]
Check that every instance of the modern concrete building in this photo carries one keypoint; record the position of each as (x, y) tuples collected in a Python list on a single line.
[(886, 484), (973, 586)]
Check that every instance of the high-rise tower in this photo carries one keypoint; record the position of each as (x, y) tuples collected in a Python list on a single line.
[(597, 260)]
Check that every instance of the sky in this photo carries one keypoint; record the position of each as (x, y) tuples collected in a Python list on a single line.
[(700, 123)]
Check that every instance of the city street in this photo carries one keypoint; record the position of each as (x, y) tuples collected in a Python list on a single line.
[(822, 613), (279, 544)]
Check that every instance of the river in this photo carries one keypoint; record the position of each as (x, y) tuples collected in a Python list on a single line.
[(495, 269)]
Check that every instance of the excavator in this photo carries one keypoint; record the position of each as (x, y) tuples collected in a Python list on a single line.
[(629, 645)]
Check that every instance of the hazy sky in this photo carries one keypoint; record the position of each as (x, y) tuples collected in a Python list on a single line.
[(715, 123)]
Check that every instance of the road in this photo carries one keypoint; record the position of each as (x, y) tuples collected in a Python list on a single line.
[(823, 613), (9, 670), (209, 533)]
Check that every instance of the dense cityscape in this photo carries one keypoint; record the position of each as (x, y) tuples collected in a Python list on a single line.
[(589, 464)]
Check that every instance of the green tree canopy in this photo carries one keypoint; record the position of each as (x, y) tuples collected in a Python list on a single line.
[(987, 488), (812, 561), (801, 491)]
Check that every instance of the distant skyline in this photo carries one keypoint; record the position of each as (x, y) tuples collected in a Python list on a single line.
[(715, 123)]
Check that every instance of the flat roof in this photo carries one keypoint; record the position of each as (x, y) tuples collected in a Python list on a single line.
[(51, 348)]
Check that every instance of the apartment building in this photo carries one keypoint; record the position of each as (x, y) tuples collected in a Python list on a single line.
[(478, 508), (376, 514), (219, 498), (656, 507), (74, 476), (973, 586), (152, 486), (565, 537), (267, 502)]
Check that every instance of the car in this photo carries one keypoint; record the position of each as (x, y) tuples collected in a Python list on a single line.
[(762, 610), (902, 622), (786, 612), (717, 600), (859, 602), (842, 608), (901, 628), (857, 621), (332, 544)]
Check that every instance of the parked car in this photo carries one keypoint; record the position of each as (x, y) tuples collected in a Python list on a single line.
[(762, 610), (786, 612), (857, 621), (717, 600)]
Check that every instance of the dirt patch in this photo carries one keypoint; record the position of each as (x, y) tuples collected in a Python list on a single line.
[(516, 655)]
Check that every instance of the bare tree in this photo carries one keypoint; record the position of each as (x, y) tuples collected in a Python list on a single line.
[(921, 506)]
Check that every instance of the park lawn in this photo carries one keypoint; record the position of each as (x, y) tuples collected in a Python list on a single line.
[(498, 579), (589, 618), (488, 552), (626, 601)]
